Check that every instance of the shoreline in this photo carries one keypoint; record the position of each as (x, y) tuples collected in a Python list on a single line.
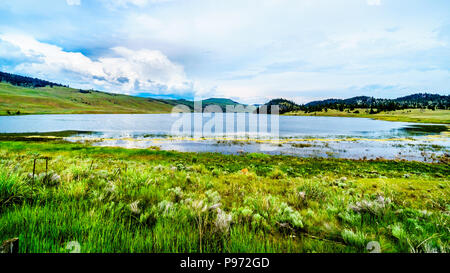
[(430, 149), (385, 117)]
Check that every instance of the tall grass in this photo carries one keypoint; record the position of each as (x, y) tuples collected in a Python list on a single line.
[(13, 189), (118, 200)]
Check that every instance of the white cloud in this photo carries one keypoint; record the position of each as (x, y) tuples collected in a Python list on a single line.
[(124, 3), (73, 2), (307, 86), (126, 71), (256, 49), (373, 2)]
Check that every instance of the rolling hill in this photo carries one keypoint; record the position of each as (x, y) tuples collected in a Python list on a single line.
[(221, 102), (26, 95), (420, 100), (424, 108), (415, 101), (25, 81), (64, 100)]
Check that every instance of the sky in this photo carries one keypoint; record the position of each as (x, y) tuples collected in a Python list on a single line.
[(247, 50)]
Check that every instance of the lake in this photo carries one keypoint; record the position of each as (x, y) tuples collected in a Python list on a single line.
[(339, 137)]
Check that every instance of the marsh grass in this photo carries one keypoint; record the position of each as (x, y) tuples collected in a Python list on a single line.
[(125, 200)]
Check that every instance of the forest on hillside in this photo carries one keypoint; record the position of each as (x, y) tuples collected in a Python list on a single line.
[(25, 81), (415, 101)]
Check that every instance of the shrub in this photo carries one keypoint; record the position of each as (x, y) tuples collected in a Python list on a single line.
[(243, 214), (277, 174), (399, 233), (213, 197), (177, 194), (355, 239), (312, 191), (286, 214), (222, 222), (375, 207)]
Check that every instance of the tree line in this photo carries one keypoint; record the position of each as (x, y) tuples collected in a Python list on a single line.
[(416, 101), (25, 81)]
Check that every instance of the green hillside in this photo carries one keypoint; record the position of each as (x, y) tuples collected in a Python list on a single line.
[(221, 102), (422, 108), (63, 100)]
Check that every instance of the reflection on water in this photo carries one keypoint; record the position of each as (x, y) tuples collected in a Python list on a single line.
[(295, 135), (238, 124), (424, 129), (419, 149)]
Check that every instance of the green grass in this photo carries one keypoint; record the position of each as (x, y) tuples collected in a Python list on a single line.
[(62, 100), (136, 200), (407, 115)]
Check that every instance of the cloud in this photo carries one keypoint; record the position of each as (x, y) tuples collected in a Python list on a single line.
[(113, 4), (73, 2), (125, 70), (256, 49), (373, 2), (126, 2)]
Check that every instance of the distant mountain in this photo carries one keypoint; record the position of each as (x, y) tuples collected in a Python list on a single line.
[(221, 102), (283, 104)]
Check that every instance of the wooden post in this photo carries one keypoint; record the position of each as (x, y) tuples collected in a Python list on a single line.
[(46, 170), (32, 183), (10, 246), (34, 167), (90, 167)]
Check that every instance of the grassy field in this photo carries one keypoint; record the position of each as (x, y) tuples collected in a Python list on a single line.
[(135, 200), (408, 115), (62, 100)]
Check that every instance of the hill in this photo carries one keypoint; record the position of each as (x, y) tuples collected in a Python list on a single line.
[(64, 100), (221, 102), (283, 104), (425, 108), (415, 101), (26, 95)]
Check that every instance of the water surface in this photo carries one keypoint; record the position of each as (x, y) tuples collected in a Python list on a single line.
[(239, 133)]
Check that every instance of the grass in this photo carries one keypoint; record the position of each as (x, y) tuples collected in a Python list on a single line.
[(408, 115), (63, 100), (136, 200)]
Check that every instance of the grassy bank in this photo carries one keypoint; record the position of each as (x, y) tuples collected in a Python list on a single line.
[(408, 115), (125, 200), (63, 100)]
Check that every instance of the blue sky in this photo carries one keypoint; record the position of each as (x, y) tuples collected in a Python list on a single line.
[(251, 50)]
